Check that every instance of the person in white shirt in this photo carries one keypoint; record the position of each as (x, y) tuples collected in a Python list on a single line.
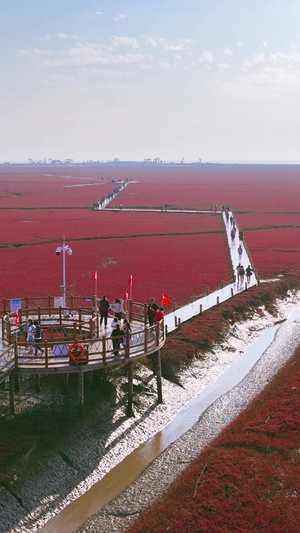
[(115, 321), (30, 328), (117, 307)]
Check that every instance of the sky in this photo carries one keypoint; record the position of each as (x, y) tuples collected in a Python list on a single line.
[(216, 80)]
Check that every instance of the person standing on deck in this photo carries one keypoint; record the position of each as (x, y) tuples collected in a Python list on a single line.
[(104, 308), (151, 307), (117, 337), (37, 338)]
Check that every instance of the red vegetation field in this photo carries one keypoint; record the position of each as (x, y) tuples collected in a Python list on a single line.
[(248, 479), (176, 253)]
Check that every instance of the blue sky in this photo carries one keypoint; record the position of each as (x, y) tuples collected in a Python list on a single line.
[(212, 79)]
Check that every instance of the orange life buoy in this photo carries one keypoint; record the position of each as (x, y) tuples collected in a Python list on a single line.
[(75, 352)]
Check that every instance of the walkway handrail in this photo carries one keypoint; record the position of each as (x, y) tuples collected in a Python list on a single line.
[(29, 302), (54, 321), (100, 352), (207, 291)]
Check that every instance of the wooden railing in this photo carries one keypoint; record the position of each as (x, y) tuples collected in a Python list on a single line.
[(54, 323), (100, 352), (81, 326), (30, 302)]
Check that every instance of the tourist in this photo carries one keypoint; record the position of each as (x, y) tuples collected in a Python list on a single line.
[(117, 307), (242, 274), (114, 323), (240, 251), (238, 273), (151, 307), (158, 315), (249, 273), (104, 307), (30, 329), (37, 338), (127, 333), (117, 337)]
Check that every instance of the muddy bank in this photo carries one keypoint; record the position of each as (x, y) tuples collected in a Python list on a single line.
[(107, 436)]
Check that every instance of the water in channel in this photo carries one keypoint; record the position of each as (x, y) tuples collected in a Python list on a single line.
[(122, 475)]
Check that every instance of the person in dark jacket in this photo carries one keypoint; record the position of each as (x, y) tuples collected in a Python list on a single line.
[(249, 273), (37, 338), (104, 308), (117, 338), (158, 315), (152, 307)]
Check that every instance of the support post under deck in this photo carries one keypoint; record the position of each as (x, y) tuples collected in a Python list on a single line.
[(158, 377), (81, 388), (37, 383), (129, 411), (12, 394)]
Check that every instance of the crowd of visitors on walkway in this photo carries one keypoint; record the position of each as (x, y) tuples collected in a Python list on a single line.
[(105, 200), (121, 331)]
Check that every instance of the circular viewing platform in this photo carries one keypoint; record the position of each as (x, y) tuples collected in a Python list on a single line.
[(72, 339)]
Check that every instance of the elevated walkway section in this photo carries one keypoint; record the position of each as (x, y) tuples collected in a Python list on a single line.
[(100, 346)]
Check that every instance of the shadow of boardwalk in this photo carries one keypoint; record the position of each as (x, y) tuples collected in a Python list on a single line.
[(67, 446)]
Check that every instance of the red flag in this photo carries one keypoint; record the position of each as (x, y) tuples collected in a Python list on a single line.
[(130, 280), (126, 297), (95, 276), (16, 317), (165, 300)]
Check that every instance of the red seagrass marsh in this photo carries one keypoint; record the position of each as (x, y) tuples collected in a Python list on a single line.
[(170, 251)]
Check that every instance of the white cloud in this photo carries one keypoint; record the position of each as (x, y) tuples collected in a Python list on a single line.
[(227, 52), (182, 44), (264, 43), (120, 17), (126, 41), (164, 64), (152, 42), (207, 57), (258, 58), (99, 13), (83, 54), (239, 44), (224, 67), (62, 36), (280, 58), (62, 77), (33, 53)]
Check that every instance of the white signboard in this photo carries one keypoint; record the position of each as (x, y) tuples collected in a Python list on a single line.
[(15, 305), (58, 301)]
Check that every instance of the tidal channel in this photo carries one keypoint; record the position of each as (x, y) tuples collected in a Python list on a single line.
[(127, 471)]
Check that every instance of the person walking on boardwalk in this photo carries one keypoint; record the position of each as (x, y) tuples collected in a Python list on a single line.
[(151, 307), (37, 338), (117, 337), (249, 273), (117, 307), (30, 329), (238, 273), (104, 308), (240, 251), (115, 322), (242, 274)]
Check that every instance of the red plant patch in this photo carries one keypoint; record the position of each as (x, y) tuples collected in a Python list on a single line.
[(46, 225), (175, 265), (248, 479)]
